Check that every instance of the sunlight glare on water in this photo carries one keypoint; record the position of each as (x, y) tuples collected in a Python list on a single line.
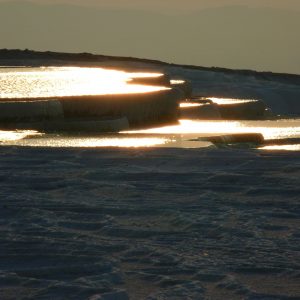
[(63, 81), (177, 81), (269, 129), (189, 104), (36, 139), (15, 135), (282, 147), (69, 81), (230, 100), (178, 136)]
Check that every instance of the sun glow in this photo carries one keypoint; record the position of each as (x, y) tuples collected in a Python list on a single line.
[(69, 81)]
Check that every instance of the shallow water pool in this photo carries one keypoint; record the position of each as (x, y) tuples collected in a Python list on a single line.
[(176, 136)]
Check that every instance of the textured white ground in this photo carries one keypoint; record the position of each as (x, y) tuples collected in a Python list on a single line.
[(149, 224), (168, 224), (283, 97)]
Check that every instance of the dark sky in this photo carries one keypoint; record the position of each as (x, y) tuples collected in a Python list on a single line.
[(241, 34)]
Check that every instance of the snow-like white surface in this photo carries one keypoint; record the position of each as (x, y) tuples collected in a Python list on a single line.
[(145, 223), (282, 97), (149, 224)]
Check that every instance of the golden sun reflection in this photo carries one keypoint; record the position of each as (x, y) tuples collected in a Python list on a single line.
[(121, 142), (282, 147), (59, 141), (70, 81), (189, 104), (7, 135), (183, 135), (177, 81), (269, 129), (143, 75), (230, 100), (35, 139)]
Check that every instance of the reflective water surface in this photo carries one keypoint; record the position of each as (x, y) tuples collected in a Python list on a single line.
[(190, 104), (282, 147), (34, 139), (277, 129), (179, 136), (230, 100), (62, 81), (7, 136), (69, 81)]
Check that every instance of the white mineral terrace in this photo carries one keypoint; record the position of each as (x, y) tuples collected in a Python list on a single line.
[(69, 93)]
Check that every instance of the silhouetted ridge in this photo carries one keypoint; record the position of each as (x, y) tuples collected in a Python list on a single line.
[(17, 54)]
